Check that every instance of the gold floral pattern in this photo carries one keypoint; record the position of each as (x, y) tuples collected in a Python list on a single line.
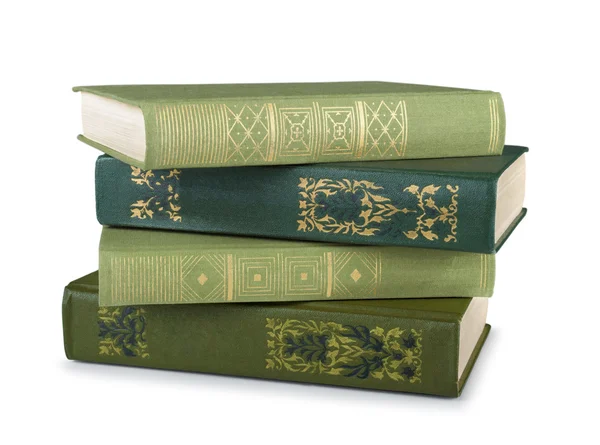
[(320, 212), (443, 214), (352, 351), (164, 197)]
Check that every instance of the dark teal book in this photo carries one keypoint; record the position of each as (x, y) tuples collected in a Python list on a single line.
[(469, 204)]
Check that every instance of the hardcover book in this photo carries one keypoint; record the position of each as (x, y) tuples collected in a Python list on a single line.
[(161, 267), (175, 126), (423, 346), (468, 204)]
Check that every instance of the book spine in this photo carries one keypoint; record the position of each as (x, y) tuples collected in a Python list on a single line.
[(314, 202), (322, 129), (175, 272), (283, 342)]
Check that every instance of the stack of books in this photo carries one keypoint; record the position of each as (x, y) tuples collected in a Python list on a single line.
[(332, 233)]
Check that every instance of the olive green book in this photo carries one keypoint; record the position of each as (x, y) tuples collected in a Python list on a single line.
[(164, 267), (175, 126), (424, 346)]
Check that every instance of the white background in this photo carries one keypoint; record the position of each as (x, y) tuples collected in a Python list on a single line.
[(537, 378)]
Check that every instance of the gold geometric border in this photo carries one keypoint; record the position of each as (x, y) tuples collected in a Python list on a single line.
[(351, 279), (214, 133), (168, 279), (256, 276), (309, 269)]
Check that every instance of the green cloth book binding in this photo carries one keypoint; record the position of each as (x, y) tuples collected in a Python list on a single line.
[(423, 346), (176, 126), (161, 267), (467, 204)]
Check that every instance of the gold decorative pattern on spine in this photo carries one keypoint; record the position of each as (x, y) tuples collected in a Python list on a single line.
[(191, 133), (258, 133), (144, 280), (230, 271), (329, 257), (405, 129), (494, 126), (386, 129), (345, 350), (292, 275), (443, 214), (376, 209), (164, 195), (356, 274)]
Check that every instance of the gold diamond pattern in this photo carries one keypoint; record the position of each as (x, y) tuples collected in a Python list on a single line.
[(202, 279), (355, 275), (385, 128), (248, 132)]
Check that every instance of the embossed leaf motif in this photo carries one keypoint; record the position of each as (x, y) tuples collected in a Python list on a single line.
[(429, 222), (378, 198), (350, 351), (164, 188), (368, 232), (429, 235), (430, 189), (412, 189), (366, 202), (303, 183)]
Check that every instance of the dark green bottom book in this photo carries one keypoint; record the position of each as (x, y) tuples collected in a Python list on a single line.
[(412, 345)]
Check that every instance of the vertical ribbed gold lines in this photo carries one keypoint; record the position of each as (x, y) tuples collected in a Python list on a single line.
[(222, 109), (280, 277), (191, 134), (272, 132), (362, 128), (404, 128), (329, 256), (211, 147), (141, 280), (319, 139), (229, 285), (494, 125)]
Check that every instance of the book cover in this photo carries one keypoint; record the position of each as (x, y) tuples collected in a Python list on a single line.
[(177, 126), (424, 346), (162, 267), (432, 203)]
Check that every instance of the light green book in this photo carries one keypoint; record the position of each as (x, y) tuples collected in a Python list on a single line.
[(161, 267), (174, 126)]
